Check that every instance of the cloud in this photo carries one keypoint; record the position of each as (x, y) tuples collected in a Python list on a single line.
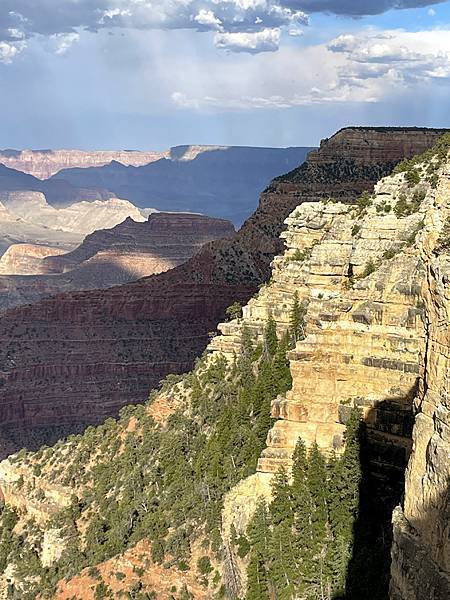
[(267, 40), (238, 25), (409, 57), (366, 67), (359, 8), (64, 41), (9, 51)]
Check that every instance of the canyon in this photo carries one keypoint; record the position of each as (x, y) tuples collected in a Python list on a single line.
[(107, 257), (76, 358), (45, 163), (218, 181), (372, 278)]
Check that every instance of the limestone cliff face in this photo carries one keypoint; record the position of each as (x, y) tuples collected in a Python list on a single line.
[(374, 285), (421, 549), (81, 356)]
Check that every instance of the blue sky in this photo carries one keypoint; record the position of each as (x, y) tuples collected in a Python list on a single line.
[(124, 74)]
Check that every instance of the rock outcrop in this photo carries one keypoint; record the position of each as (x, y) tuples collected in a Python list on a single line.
[(77, 358), (26, 259)]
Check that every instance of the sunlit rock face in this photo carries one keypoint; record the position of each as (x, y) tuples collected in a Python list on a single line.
[(374, 285)]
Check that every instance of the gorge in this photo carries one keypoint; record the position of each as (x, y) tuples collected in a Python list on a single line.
[(163, 501)]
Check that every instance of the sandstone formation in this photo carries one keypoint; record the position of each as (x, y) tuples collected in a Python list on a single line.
[(79, 357), (15, 230), (26, 259), (81, 217), (107, 257), (27, 219)]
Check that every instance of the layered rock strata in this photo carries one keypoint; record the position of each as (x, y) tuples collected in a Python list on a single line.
[(375, 288), (45, 163), (107, 257), (81, 356)]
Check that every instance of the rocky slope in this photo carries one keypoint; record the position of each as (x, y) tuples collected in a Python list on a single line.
[(107, 257), (77, 358), (177, 482)]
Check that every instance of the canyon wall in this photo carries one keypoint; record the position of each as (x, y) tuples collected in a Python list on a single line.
[(78, 357)]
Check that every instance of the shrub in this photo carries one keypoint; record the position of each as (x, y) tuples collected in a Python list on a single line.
[(369, 268), (412, 177), (356, 229), (204, 565)]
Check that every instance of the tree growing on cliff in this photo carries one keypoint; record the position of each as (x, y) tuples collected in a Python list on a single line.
[(297, 321)]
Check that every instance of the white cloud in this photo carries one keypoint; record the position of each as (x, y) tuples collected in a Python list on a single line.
[(65, 41), (365, 67), (9, 51), (267, 40), (431, 12), (208, 19)]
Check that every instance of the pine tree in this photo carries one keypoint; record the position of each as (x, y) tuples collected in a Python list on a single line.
[(317, 484), (258, 534), (297, 320), (281, 368), (283, 569), (270, 337)]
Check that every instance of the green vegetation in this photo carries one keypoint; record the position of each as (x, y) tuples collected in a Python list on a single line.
[(234, 311), (407, 206), (364, 201), (301, 544), (369, 268), (443, 242), (434, 158), (162, 483), (301, 255)]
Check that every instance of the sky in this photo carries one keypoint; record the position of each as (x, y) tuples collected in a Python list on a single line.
[(149, 74)]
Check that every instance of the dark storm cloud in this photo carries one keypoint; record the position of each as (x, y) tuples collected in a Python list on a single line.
[(240, 25), (357, 8)]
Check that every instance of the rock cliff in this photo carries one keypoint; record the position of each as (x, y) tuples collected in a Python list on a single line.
[(371, 279), (77, 358)]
